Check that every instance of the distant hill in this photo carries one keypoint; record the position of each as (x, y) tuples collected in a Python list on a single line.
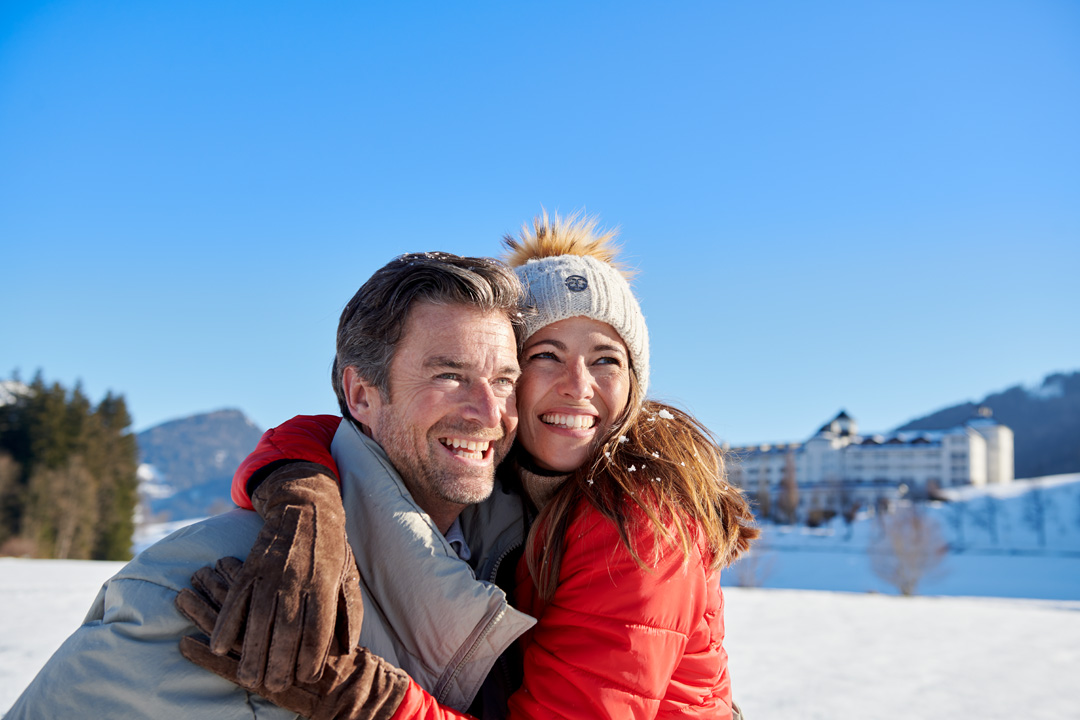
[(1045, 422), (188, 464)]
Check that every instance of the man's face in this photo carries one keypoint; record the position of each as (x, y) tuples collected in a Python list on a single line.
[(451, 416)]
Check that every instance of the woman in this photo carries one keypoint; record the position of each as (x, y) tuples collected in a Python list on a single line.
[(633, 519)]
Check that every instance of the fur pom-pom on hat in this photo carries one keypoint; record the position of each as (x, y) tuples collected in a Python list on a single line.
[(574, 235), (570, 269)]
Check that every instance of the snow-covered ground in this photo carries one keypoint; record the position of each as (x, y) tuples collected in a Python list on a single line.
[(805, 654), (41, 603), (794, 654)]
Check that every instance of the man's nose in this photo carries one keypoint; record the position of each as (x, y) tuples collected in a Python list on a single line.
[(483, 406)]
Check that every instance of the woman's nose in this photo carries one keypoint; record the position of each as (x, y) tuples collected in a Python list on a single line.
[(577, 382)]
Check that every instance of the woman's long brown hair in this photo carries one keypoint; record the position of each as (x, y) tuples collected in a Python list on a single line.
[(669, 465)]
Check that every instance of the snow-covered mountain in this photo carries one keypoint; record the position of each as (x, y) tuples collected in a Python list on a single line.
[(186, 465), (1045, 421)]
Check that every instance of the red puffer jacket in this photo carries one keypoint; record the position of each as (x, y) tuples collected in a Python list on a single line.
[(615, 640), (619, 640)]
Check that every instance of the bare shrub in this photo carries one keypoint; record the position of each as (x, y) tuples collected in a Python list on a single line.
[(821, 512), (1035, 513), (763, 497), (788, 504), (850, 513), (753, 568), (9, 473), (20, 547), (9, 477), (909, 546), (62, 512)]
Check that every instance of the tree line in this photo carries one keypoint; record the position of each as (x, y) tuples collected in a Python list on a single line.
[(68, 486)]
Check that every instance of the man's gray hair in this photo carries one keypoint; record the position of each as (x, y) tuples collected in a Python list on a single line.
[(373, 321)]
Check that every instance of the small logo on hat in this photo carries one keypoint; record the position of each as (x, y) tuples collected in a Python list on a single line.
[(576, 283)]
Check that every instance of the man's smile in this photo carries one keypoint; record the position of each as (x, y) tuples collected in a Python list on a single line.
[(468, 449)]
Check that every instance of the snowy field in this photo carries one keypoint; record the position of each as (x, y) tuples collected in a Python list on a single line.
[(794, 653)]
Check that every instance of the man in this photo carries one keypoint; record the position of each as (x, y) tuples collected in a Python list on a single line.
[(425, 369)]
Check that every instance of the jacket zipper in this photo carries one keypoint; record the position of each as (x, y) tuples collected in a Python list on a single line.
[(495, 568), (444, 684), (501, 662), (447, 680)]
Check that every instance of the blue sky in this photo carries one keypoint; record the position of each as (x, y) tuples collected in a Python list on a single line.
[(863, 205)]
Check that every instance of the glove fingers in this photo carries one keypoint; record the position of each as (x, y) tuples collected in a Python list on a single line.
[(284, 601), (197, 609), (281, 661), (196, 649), (209, 583), (256, 644), (300, 700), (332, 625), (319, 622), (230, 569), (326, 618), (232, 620)]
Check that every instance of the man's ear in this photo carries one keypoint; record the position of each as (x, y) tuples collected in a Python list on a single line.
[(363, 398)]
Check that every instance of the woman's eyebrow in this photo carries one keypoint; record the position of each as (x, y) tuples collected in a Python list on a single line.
[(557, 344)]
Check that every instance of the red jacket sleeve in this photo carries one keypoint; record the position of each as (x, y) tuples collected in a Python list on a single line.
[(305, 437), (419, 705)]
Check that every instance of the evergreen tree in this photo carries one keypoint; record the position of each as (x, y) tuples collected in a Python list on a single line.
[(118, 495), (67, 473)]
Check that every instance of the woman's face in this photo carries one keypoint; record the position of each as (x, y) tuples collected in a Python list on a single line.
[(575, 381)]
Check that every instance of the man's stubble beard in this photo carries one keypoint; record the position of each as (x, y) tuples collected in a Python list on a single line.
[(420, 462)]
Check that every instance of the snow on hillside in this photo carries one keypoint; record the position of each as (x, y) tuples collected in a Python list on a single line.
[(1050, 388), (147, 535), (1019, 540), (151, 483), (794, 654), (11, 389)]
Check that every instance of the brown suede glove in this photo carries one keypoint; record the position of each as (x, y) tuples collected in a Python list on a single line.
[(354, 686), (299, 587)]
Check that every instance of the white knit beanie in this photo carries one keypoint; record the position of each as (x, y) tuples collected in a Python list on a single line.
[(566, 286)]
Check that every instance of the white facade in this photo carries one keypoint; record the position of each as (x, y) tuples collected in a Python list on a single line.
[(837, 466)]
